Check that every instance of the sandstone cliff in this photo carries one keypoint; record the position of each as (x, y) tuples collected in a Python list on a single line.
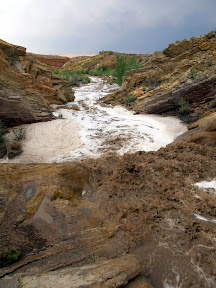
[(185, 70), (27, 87)]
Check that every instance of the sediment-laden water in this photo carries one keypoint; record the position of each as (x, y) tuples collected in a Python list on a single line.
[(95, 130)]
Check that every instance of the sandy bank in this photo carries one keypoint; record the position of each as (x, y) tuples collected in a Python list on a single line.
[(44, 142)]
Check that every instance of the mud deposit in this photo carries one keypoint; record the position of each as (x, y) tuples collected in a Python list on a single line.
[(138, 216)]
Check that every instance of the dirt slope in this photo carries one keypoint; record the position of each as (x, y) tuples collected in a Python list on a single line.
[(141, 205)]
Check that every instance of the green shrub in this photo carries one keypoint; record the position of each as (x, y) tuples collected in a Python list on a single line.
[(80, 71), (56, 71), (2, 132), (74, 77), (19, 133), (100, 72), (193, 73), (85, 79), (103, 67), (8, 257), (132, 63), (128, 99), (184, 107)]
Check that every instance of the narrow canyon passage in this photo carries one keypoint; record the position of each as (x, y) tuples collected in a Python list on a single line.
[(93, 130)]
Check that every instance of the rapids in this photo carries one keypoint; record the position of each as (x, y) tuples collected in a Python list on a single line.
[(95, 130)]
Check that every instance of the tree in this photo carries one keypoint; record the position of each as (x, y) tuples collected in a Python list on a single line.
[(132, 63), (121, 67)]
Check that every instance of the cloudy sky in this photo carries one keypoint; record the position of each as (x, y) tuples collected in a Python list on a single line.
[(84, 26)]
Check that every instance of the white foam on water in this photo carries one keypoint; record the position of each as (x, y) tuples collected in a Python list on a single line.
[(96, 130), (115, 129), (204, 218), (207, 185)]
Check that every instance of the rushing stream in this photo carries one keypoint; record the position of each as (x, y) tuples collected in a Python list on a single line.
[(95, 130)]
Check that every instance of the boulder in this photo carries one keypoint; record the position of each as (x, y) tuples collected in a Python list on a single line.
[(14, 149)]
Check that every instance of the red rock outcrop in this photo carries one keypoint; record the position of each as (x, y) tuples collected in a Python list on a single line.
[(53, 61)]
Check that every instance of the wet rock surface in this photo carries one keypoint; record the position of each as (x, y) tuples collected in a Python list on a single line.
[(140, 205)]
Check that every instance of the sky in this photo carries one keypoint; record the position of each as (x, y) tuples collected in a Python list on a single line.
[(87, 27)]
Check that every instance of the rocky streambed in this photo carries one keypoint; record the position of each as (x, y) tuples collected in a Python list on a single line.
[(115, 210)]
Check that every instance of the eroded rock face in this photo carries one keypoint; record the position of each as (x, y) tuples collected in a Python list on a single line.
[(27, 87), (16, 109), (137, 215), (185, 70), (53, 61), (168, 102)]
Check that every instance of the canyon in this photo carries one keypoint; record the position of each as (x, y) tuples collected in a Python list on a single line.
[(108, 193)]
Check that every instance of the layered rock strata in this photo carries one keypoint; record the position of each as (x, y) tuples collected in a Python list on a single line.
[(28, 87), (184, 70), (53, 61)]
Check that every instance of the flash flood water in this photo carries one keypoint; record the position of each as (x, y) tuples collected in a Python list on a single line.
[(95, 130)]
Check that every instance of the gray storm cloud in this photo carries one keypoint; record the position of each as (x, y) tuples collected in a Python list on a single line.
[(97, 22)]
